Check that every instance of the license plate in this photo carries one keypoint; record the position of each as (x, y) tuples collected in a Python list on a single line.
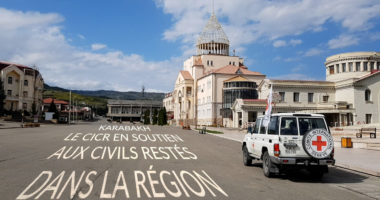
[(290, 150)]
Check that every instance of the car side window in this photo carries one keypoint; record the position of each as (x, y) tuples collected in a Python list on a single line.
[(262, 128), (257, 125), (289, 126), (273, 126)]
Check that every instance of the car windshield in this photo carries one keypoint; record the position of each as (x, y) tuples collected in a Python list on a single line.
[(307, 124)]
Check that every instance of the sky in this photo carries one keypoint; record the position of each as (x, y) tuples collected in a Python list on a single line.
[(126, 44)]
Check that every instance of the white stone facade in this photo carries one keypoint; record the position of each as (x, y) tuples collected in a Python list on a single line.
[(23, 87), (349, 96)]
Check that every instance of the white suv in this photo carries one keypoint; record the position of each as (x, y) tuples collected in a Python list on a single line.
[(291, 140)]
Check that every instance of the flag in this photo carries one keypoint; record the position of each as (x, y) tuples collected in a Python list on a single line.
[(268, 110)]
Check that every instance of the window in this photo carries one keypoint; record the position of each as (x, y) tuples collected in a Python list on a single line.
[(337, 68), (25, 82), (357, 66), (325, 98), (331, 69), (211, 63), (24, 106), (350, 66), (9, 92), (307, 124), (208, 63), (368, 118), (262, 128), (296, 97), (10, 80), (257, 125), (273, 126), (367, 95), (25, 94), (378, 65), (343, 67), (289, 126), (282, 95), (310, 97), (365, 66), (230, 63), (233, 63), (372, 66)]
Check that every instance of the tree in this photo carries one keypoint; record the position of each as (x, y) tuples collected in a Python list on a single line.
[(53, 108), (154, 117), (34, 108), (165, 117), (147, 117), (161, 117), (2, 97)]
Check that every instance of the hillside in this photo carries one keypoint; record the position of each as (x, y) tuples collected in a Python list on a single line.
[(97, 99)]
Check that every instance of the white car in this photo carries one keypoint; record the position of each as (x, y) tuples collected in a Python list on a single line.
[(291, 140)]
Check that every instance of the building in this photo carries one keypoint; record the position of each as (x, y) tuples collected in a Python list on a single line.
[(349, 96), (60, 104), (197, 98), (23, 87), (131, 110)]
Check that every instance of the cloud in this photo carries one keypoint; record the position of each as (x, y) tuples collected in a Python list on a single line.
[(313, 52), (81, 37), (343, 41), (246, 21), (98, 46), (33, 38), (279, 43), (295, 42), (283, 43)]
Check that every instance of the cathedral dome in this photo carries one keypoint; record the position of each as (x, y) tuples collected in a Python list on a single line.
[(213, 40)]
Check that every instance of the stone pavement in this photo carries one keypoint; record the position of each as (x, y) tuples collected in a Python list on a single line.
[(361, 160)]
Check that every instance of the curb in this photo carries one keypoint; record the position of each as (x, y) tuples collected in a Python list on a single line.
[(344, 166), (358, 169)]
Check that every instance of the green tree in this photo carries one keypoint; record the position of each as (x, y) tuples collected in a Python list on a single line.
[(2, 97), (147, 117), (34, 108), (154, 117), (53, 108), (165, 116)]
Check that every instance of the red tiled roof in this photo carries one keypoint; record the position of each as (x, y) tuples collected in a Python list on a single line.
[(231, 69), (186, 75), (49, 100), (4, 64), (373, 72)]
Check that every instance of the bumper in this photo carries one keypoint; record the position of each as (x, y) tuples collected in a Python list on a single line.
[(302, 161)]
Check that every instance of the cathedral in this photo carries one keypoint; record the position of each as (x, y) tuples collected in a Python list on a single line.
[(217, 89), (210, 82)]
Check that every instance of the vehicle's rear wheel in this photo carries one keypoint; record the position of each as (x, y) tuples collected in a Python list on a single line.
[(267, 165), (247, 159)]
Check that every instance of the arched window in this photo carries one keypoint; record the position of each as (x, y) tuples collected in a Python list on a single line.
[(367, 95)]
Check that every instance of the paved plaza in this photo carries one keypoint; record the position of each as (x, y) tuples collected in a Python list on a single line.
[(101, 160)]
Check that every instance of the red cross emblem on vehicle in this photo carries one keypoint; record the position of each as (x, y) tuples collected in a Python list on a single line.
[(319, 143)]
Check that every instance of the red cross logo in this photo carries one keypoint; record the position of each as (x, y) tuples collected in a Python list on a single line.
[(319, 143)]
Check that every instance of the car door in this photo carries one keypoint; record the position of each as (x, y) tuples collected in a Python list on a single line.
[(252, 139), (259, 139)]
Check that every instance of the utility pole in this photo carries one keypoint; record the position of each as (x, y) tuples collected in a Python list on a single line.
[(69, 107)]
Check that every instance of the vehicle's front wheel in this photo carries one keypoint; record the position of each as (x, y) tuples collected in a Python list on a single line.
[(247, 159), (267, 165)]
